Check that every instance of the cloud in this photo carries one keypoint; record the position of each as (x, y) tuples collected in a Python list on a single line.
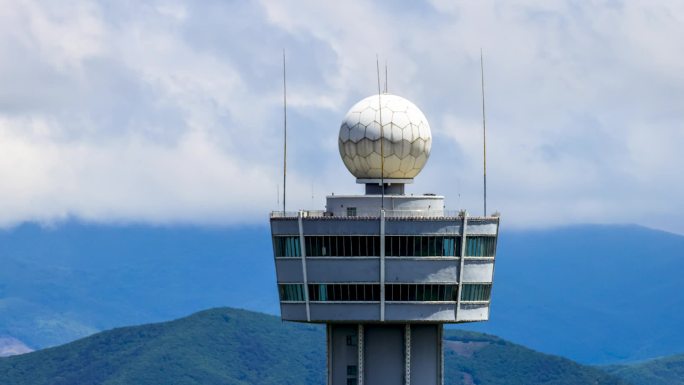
[(171, 111)]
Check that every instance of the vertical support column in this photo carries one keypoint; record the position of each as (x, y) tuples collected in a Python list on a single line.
[(407, 354), (329, 352), (382, 265), (359, 343), (302, 246), (494, 256), (462, 261), (440, 349)]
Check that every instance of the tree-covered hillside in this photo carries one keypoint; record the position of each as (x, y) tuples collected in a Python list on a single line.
[(660, 371), (474, 358), (229, 346)]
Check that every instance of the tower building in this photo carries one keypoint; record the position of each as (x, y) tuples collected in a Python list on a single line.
[(384, 270)]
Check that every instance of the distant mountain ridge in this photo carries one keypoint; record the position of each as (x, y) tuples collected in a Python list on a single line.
[(594, 293), (660, 371), (229, 346), (10, 346), (568, 291), (61, 283)]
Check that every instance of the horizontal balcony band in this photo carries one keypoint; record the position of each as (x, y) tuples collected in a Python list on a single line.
[(412, 258), (389, 215)]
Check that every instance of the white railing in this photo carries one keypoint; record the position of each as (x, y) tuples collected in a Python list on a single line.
[(416, 213), (295, 214), (284, 214), (388, 214)]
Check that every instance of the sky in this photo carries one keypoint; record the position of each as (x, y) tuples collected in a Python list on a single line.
[(166, 112)]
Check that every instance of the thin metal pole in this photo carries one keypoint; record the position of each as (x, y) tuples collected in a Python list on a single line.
[(284, 135), (385, 76), (382, 138), (484, 134)]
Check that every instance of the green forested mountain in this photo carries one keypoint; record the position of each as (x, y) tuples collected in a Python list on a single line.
[(221, 346), (229, 346), (473, 358), (660, 371)]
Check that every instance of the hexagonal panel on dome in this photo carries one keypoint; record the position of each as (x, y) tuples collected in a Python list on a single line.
[(373, 132), (397, 133), (403, 149), (344, 132), (387, 148), (364, 147), (392, 164), (353, 119), (407, 164), (350, 149), (400, 119), (367, 116), (417, 147), (405, 132), (357, 133), (420, 160)]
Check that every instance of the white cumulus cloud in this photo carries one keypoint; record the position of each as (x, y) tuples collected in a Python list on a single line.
[(170, 111)]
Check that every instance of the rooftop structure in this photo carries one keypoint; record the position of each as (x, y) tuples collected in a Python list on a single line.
[(384, 270)]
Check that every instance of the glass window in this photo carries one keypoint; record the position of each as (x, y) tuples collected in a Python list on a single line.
[(395, 246), (336, 246), (291, 292), (392, 246), (287, 246), (480, 246), (411, 292), (427, 246), (476, 292), (419, 292), (368, 292), (343, 292), (431, 249), (451, 246), (351, 211), (322, 245), (450, 293)]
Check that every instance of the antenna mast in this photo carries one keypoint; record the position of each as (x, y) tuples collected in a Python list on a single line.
[(385, 76), (382, 137), (284, 134), (484, 134)]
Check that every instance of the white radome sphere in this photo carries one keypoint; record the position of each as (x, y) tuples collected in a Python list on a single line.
[(406, 132)]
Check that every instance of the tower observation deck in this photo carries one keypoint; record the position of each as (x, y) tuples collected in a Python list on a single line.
[(384, 270)]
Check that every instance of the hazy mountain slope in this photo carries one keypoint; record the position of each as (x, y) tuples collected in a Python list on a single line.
[(59, 284), (661, 371), (10, 346), (228, 346), (596, 294)]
